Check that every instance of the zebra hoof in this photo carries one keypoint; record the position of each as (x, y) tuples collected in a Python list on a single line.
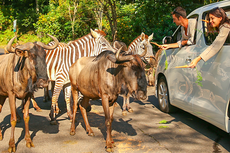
[(130, 110), (124, 112)]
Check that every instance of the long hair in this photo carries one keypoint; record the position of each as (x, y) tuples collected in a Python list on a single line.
[(219, 12)]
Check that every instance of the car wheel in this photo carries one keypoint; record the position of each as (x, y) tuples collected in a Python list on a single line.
[(163, 96)]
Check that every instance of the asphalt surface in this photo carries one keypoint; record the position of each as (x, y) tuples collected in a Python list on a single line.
[(139, 132)]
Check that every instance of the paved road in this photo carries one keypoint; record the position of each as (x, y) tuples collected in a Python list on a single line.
[(138, 132)]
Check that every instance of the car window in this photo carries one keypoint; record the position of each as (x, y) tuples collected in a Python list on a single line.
[(211, 33)]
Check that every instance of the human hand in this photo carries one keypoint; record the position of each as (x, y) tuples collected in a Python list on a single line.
[(194, 62), (164, 47)]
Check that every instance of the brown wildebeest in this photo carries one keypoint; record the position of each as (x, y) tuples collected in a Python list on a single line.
[(102, 77), (137, 46), (23, 70)]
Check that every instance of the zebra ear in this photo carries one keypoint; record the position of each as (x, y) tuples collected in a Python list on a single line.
[(93, 33), (142, 36), (150, 37)]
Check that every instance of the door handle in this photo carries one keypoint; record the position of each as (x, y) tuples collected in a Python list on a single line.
[(188, 59)]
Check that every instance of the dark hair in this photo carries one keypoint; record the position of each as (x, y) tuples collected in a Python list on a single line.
[(219, 12), (179, 11)]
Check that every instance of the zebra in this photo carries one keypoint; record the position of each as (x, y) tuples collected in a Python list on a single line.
[(59, 61), (137, 46)]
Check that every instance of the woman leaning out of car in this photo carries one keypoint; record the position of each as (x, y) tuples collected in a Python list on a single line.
[(219, 20)]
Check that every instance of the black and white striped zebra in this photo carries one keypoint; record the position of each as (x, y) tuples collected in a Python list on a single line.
[(59, 61)]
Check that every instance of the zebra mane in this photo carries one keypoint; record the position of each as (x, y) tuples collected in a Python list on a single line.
[(70, 42), (136, 40), (100, 32)]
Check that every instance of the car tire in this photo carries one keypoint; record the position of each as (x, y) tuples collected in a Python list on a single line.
[(163, 96)]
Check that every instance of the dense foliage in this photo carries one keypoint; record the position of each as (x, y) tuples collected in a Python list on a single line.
[(72, 19)]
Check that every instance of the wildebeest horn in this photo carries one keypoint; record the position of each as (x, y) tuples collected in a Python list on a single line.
[(9, 45), (143, 54), (123, 58), (117, 54), (47, 46)]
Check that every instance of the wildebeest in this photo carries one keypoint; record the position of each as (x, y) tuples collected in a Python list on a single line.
[(22, 72), (137, 46), (102, 77)]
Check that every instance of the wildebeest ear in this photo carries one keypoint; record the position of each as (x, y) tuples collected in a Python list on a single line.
[(21, 53), (112, 58)]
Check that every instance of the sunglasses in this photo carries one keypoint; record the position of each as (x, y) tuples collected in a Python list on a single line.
[(175, 12), (217, 8)]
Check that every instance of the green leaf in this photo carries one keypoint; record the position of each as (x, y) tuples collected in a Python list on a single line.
[(163, 122)]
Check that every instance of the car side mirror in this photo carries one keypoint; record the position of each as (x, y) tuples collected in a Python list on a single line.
[(167, 40)]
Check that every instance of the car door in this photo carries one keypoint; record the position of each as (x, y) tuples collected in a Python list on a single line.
[(210, 97), (180, 80)]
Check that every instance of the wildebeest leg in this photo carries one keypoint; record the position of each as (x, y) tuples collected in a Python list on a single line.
[(26, 118), (2, 100), (83, 105), (46, 94), (108, 122), (128, 107), (13, 121), (67, 93), (124, 112), (75, 102), (35, 105)]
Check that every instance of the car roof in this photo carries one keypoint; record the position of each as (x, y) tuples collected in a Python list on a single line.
[(210, 6)]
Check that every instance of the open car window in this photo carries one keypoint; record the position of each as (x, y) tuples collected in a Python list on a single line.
[(211, 33), (177, 34)]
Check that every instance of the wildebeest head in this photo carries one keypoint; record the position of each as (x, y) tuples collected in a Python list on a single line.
[(101, 43), (134, 73), (35, 53)]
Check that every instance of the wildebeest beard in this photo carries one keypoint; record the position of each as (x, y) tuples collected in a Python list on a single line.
[(31, 87), (20, 64)]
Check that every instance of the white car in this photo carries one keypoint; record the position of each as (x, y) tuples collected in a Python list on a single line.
[(205, 90)]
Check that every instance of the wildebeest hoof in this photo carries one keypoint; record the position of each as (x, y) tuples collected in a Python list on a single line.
[(11, 149), (72, 133), (124, 112), (29, 144), (130, 110), (38, 109), (91, 134), (0, 137), (88, 109), (54, 122), (109, 149)]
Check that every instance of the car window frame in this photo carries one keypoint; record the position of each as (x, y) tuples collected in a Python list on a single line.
[(175, 38), (213, 35)]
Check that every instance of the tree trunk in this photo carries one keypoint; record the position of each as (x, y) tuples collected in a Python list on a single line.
[(111, 4)]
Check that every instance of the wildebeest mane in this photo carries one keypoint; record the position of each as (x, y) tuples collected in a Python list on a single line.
[(103, 54)]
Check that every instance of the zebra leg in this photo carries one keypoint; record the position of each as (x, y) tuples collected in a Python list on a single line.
[(54, 106), (67, 92)]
